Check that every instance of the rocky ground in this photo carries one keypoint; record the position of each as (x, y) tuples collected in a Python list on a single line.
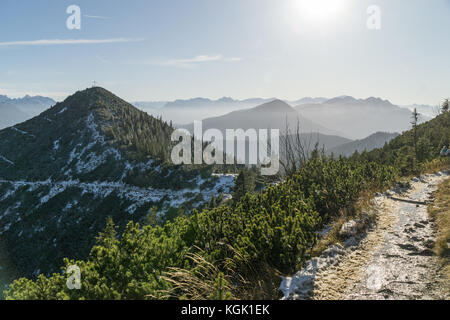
[(391, 259)]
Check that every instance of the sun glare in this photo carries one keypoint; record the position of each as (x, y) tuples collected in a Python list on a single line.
[(318, 11)]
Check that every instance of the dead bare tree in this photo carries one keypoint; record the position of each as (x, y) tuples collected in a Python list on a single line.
[(295, 150)]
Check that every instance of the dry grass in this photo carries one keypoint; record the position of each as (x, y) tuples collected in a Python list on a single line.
[(240, 280), (252, 282), (260, 284), (440, 212), (436, 165), (198, 283)]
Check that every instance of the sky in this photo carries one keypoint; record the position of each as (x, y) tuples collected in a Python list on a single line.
[(159, 50)]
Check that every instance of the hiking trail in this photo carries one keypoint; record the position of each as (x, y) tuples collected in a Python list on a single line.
[(393, 260)]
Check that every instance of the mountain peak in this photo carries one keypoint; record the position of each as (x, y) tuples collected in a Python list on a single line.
[(275, 106), (94, 91), (89, 157), (89, 99), (92, 131), (340, 100), (226, 100), (374, 100)]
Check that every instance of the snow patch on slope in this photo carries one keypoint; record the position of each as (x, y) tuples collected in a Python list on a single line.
[(138, 196), (6, 160), (56, 145), (89, 161), (23, 132)]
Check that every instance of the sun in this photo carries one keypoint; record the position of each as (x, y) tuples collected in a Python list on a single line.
[(318, 11)]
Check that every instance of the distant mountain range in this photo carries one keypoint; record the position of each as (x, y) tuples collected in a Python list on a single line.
[(307, 100), (358, 118), (149, 105), (343, 116), (334, 114), (424, 110), (346, 115), (87, 158), (275, 114), (184, 111), (13, 111)]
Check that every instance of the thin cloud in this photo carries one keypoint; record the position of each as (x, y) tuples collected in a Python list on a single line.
[(236, 59), (190, 62), (50, 42), (96, 17)]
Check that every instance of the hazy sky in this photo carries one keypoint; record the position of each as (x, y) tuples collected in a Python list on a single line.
[(169, 49)]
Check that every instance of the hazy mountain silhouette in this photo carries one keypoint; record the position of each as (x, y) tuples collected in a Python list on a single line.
[(374, 141), (275, 114), (13, 111), (358, 118)]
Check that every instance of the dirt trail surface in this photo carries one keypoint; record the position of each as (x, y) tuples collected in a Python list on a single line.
[(392, 260)]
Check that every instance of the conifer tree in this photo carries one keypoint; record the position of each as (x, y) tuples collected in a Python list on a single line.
[(445, 106), (414, 121), (245, 182)]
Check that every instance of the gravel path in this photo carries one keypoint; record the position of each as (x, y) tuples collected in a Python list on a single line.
[(394, 260)]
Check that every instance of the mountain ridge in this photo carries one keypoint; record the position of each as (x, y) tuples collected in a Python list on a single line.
[(374, 141), (265, 116), (87, 158), (358, 118)]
